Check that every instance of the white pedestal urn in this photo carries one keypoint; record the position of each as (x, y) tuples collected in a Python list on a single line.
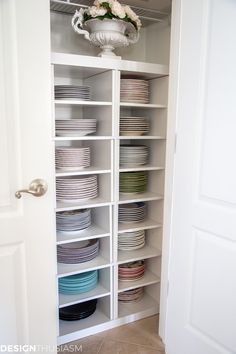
[(107, 34)]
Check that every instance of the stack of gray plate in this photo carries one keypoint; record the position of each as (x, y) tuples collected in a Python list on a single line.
[(133, 155), (129, 241), (134, 125), (78, 252), (132, 212), (76, 189), (74, 220), (75, 127), (72, 158), (72, 92)]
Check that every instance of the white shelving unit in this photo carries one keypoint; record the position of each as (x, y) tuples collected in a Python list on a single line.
[(74, 61)]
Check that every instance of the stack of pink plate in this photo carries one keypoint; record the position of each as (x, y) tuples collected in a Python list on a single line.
[(133, 295), (72, 158), (131, 271), (134, 90)]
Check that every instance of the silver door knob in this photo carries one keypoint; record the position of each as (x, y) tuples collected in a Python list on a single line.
[(37, 188)]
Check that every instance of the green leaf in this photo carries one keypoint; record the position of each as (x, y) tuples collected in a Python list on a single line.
[(106, 5)]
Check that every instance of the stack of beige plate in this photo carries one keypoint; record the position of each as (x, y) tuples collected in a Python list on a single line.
[(134, 91), (134, 125), (72, 158)]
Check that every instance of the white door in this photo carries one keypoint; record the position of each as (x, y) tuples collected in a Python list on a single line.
[(27, 253), (201, 316)]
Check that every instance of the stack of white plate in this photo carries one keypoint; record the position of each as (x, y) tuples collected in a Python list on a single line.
[(72, 158), (129, 241), (133, 155), (132, 212), (73, 221), (76, 189), (75, 127), (134, 91), (72, 92), (134, 125)]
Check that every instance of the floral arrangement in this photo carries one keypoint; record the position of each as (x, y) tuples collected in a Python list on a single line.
[(110, 9)]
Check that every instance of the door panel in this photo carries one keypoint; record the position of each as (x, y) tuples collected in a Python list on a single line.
[(201, 315), (27, 226)]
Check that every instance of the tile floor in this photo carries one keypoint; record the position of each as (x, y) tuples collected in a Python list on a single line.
[(139, 337)]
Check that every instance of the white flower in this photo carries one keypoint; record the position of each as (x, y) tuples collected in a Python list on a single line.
[(95, 12), (117, 9), (130, 13)]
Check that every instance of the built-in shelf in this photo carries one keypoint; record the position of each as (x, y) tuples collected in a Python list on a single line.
[(70, 327), (146, 304), (98, 292), (141, 168), (82, 103), (91, 203), (69, 269), (94, 231), (103, 75), (135, 226), (85, 171), (142, 253), (142, 105), (139, 197), (141, 137), (81, 138), (148, 279)]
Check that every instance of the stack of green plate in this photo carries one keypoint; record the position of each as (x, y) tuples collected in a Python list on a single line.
[(133, 182)]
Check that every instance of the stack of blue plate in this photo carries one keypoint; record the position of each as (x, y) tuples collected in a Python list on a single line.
[(78, 283)]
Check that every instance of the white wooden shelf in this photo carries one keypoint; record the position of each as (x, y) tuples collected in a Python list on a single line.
[(98, 292), (147, 303), (82, 103), (79, 138), (72, 60), (94, 231), (141, 137), (142, 253), (92, 203), (139, 197), (144, 225), (70, 327), (142, 105), (148, 279), (69, 269), (98, 73), (85, 171), (141, 168)]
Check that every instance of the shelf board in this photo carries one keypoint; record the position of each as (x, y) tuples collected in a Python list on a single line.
[(141, 168), (148, 279), (69, 327), (85, 171), (142, 253), (69, 269), (142, 105), (142, 137), (146, 303), (93, 231), (98, 292), (92, 203), (82, 103), (144, 225), (149, 70), (86, 137), (139, 197)]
